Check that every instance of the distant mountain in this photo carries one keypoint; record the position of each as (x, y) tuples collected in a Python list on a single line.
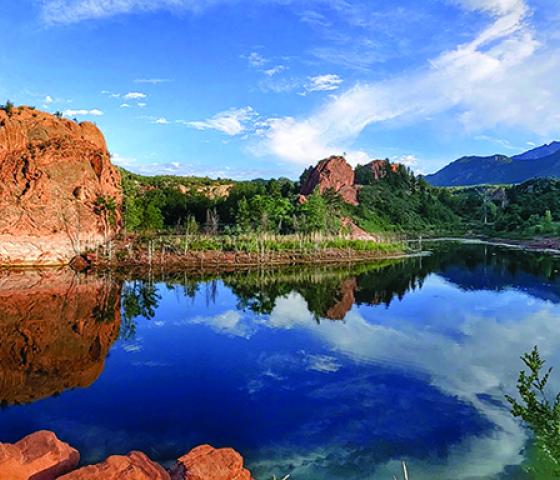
[(539, 152), (542, 161)]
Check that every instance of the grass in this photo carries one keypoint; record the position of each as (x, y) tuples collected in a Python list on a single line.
[(277, 243)]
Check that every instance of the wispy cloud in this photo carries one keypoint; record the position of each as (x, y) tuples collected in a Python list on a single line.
[(134, 96), (162, 121), (499, 78), (83, 112), (255, 59), (324, 83), (275, 70), (73, 11), (231, 122), (153, 81)]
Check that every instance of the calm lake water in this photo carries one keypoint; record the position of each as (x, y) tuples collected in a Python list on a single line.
[(324, 373)]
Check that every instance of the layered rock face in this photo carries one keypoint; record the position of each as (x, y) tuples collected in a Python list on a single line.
[(333, 173), (42, 456), (55, 179), (56, 328)]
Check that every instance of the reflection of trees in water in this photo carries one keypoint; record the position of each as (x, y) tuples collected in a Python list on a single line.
[(139, 299), (330, 292)]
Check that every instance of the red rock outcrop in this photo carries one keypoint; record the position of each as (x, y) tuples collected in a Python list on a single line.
[(56, 328), (355, 232), (134, 466), (379, 168), (39, 456), (208, 463), (42, 456), (53, 173), (333, 173)]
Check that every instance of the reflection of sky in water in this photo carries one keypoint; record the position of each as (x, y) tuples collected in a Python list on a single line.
[(421, 380)]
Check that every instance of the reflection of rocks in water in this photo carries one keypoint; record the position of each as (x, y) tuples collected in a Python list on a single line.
[(56, 329), (344, 301)]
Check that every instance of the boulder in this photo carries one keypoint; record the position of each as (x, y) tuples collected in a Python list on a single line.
[(333, 173), (134, 466), (208, 463), (59, 193), (39, 456)]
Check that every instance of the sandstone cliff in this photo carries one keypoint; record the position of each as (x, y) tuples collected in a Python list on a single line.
[(56, 328), (59, 193)]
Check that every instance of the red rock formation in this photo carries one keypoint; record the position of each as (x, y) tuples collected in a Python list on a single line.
[(378, 168), (333, 173), (56, 328), (52, 173), (355, 232), (134, 466), (208, 463), (42, 456), (39, 456)]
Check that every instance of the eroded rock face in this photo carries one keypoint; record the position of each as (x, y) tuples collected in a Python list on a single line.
[(333, 173), (379, 168), (53, 172), (39, 456), (208, 463), (134, 466), (56, 328)]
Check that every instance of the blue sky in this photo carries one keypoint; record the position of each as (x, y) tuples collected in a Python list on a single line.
[(260, 88)]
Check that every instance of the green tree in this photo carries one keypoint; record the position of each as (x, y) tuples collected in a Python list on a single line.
[(541, 414), (243, 216)]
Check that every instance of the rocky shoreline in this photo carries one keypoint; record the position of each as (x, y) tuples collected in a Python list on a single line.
[(42, 456)]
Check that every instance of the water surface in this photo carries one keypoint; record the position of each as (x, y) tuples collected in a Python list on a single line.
[(324, 373)]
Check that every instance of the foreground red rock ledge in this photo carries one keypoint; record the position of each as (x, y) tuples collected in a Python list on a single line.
[(42, 456), (59, 192)]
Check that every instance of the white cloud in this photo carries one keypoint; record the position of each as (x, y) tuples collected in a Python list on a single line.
[(162, 121), (504, 76), (121, 161), (135, 96), (152, 81), (324, 83), (72, 11), (48, 100), (275, 70), (406, 160), (125, 105), (82, 112), (231, 122), (256, 60)]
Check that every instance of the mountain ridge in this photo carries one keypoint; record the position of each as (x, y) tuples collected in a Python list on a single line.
[(543, 161)]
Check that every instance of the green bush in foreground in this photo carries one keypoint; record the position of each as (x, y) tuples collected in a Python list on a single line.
[(541, 415)]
